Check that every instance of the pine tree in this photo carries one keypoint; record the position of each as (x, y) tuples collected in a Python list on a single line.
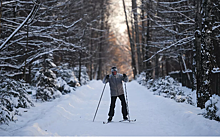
[(13, 95), (45, 80)]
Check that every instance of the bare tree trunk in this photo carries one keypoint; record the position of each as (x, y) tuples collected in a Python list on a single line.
[(134, 10), (148, 65), (143, 38), (216, 18), (198, 51), (80, 66), (133, 63), (91, 58), (157, 67), (133, 37), (204, 90), (101, 42), (197, 47), (0, 18), (25, 65)]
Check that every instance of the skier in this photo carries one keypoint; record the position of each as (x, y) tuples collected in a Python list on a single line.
[(116, 88)]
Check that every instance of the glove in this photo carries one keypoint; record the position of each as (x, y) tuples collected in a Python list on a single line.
[(107, 76), (124, 75)]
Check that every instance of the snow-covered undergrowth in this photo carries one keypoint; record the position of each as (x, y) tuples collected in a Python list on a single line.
[(170, 88), (13, 95), (53, 81), (66, 80), (212, 108), (47, 85), (84, 78)]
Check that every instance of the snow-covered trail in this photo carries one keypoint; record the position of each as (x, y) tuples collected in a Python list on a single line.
[(72, 115)]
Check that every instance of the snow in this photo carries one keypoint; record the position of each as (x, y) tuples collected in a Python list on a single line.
[(20, 26), (67, 27), (212, 107), (215, 27), (72, 114), (216, 70), (176, 2), (7, 2), (62, 83), (180, 42)]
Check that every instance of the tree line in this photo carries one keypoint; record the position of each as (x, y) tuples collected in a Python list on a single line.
[(41, 45), (74, 32), (175, 35), (164, 36)]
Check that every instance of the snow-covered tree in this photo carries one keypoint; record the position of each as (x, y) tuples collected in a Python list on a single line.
[(13, 95), (66, 79), (212, 108), (45, 80), (84, 78), (175, 30), (63, 28), (171, 33)]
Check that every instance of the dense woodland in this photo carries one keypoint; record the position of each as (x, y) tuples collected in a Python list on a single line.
[(39, 40), (177, 35)]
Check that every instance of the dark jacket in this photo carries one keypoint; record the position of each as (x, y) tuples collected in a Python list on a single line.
[(115, 82)]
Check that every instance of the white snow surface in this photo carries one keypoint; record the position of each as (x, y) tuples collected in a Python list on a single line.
[(72, 115)]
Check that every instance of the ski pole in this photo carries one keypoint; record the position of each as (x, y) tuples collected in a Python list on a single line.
[(127, 101), (99, 102)]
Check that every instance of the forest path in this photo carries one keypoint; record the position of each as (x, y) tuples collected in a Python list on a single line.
[(72, 115)]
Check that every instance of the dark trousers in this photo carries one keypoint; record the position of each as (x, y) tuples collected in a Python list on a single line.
[(123, 104)]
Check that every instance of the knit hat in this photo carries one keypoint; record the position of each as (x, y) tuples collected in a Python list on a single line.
[(113, 69)]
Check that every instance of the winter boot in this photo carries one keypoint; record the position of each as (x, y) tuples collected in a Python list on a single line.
[(125, 117), (110, 119)]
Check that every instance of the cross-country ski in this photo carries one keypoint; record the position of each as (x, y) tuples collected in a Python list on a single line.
[(106, 122), (133, 120)]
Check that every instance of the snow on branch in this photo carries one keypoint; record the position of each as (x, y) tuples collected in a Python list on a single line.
[(72, 24), (10, 66), (60, 40), (21, 25), (37, 55), (180, 42), (163, 26), (180, 13), (215, 27), (32, 58), (34, 1), (29, 60), (175, 2), (8, 2), (95, 29)]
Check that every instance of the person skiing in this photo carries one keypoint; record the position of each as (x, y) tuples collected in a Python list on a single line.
[(116, 89)]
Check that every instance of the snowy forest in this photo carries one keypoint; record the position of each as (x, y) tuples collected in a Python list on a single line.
[(50, 47)]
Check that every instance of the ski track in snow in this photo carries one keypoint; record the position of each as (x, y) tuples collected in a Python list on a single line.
[(72, 115)]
